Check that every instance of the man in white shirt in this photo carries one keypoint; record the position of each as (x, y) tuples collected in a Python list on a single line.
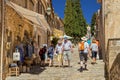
[(67, 49)]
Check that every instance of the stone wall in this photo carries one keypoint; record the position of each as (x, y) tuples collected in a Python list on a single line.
[(22, 3), (0, 25), (112, 18), (111, 26), (0, 35), (15, 30), (110, 29), (100, 33), (16, 27), (114, 59)]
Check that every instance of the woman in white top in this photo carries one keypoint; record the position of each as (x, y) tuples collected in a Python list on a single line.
[(94, 49), (58, 51)]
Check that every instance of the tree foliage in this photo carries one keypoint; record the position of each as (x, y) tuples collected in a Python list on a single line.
[(74, 21), (93, 23)]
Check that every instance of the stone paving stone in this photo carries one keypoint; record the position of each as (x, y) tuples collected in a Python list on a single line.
[(95, 72)]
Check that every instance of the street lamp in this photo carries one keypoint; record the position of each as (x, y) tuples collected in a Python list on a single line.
[(48, 11)]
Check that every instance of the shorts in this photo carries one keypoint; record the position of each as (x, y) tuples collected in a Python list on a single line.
[(42, 57), (83, 56), (60, 57), (67, 55), (94, 54), (50, 56)]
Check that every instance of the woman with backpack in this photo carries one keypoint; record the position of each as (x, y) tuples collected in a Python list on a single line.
[(50, 55)]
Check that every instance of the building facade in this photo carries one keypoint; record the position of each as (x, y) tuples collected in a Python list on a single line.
[(26, 22), (108, 24)]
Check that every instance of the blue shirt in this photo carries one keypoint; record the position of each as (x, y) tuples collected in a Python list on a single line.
[(89, 41)]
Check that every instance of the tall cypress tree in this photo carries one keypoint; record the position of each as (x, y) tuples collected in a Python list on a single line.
[(68, 17), (75, 19), (93, 23)]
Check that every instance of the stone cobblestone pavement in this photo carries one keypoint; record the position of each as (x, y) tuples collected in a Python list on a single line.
[(95, 72)]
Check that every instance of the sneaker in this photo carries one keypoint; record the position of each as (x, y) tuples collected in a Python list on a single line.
[(81, 69), (92, 63), (85, 69)]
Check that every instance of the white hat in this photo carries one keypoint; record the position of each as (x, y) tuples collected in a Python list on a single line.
[(59, 41), (84, 38)]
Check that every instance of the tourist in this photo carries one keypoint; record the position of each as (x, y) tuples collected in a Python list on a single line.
[(98, 53), (67, 49), (94, 49), (42, 55), (83, 50), (58, 51), (50, 55)]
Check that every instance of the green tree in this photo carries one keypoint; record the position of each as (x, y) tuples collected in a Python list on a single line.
[(68, 17), (75, 23), (93, 23)]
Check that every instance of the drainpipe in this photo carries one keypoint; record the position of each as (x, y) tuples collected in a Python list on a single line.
[(2, 40)]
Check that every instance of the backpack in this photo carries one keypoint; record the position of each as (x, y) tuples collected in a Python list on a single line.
[(50, 50), (41, 52), (81, 46)]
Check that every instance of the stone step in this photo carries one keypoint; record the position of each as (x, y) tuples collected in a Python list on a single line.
[(95, 72)]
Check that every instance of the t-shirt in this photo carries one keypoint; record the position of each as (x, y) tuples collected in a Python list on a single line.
[(94, 47), (59, 48), (67, 45), (50, 50), (86, 46), (89, 41)]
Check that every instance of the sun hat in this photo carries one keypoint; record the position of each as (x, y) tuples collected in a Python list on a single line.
[(59, 41), (84, 38), (65, 37)]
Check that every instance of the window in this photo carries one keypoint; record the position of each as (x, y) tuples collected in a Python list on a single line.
[(31, 5), (26, 3), (39, 7), (39, 40)]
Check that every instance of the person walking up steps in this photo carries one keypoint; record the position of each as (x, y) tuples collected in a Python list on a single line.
[(83, 52), (94, 48)]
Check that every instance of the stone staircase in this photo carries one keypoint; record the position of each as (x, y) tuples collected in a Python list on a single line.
[(95, 72)]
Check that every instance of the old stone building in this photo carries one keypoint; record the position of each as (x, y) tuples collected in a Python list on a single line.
[(59, 27), (0, 23), (99, 33), (109, 26), (27, 21)]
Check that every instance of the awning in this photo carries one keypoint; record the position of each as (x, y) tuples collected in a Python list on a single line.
[(30, 15), (58, 33)]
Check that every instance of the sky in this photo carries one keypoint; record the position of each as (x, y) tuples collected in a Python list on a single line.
[(88, 7)]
